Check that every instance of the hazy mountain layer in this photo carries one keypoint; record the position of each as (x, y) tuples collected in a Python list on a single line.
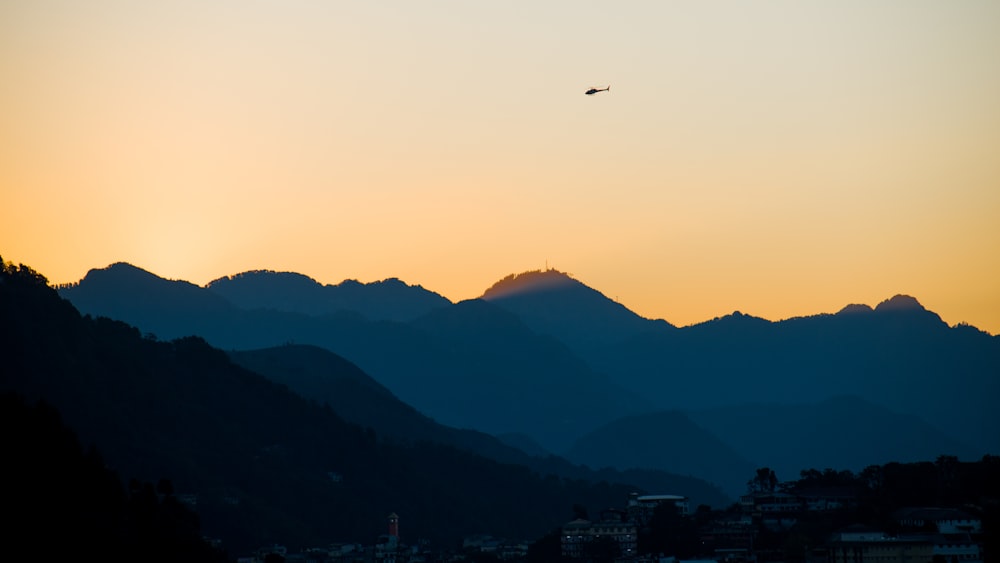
[(389, 299), (321, 375), (544, 355), (842, 432), (265, 464), (468, 365), (668, 441), (897, 354)]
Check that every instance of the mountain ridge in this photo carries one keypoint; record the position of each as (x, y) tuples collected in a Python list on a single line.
[(508, 393), (388, 299), (893, 354), (265, 463), (525, 284)]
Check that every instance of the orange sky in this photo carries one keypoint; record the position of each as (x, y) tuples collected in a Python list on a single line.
[(782, 158)]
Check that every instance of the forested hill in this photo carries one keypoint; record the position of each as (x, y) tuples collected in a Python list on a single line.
[(68, 504), (264, 464)]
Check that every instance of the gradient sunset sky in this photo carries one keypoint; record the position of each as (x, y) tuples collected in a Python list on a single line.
[(781, 158)]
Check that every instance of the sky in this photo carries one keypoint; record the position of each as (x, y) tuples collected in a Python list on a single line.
[(781, 158)]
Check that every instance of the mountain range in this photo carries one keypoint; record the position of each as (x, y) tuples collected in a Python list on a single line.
[(544, 357), (264, 463)]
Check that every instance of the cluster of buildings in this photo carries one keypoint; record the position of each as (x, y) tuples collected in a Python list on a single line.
[(618, 529), (917, 534), (925, 534), (389, 548)]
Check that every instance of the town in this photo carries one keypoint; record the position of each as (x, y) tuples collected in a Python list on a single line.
[(942, 511)]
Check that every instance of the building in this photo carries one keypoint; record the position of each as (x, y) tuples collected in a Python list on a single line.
[(387, 548), (941, 520), (578, 536), (860, 544), (641, 508)]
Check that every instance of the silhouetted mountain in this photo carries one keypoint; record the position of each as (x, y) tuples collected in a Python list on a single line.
[(898, 355), (265, 464), (320, 375), (844, 432), (468, 365), (123, 291), (544, 355), (552, 302), (666, 441), (389, 299), (528, 382)]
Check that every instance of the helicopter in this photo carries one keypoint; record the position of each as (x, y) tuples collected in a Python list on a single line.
[(593, 91)]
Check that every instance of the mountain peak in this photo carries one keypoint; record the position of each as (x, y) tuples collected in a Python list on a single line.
[(264, 277), (854, 309), (899, 303), (123, 274), (533, 281), (121, 269)]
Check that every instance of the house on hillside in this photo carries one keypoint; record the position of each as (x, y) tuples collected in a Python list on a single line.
[(579, 536), (947, 521), (729, 535), (642, 507), (821, 499), (860, 544), (775, 510)]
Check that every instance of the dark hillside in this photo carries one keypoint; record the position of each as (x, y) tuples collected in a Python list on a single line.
[(264, 464), (67, 505), (508, 377)]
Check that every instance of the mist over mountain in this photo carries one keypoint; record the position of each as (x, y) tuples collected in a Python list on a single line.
[(527, 377), (320, 375), (468, 365), (389, 299), (545, 356), (898, 355), (668, 441), (844, 432), (725, 444), (265, 464)]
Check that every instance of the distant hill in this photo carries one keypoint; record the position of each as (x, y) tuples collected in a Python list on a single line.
[(321, 375), (265, 465), (666, 441), (533, 379), (389, 299), (123, 291), (845, 432), (552, 302), (898, 355)]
